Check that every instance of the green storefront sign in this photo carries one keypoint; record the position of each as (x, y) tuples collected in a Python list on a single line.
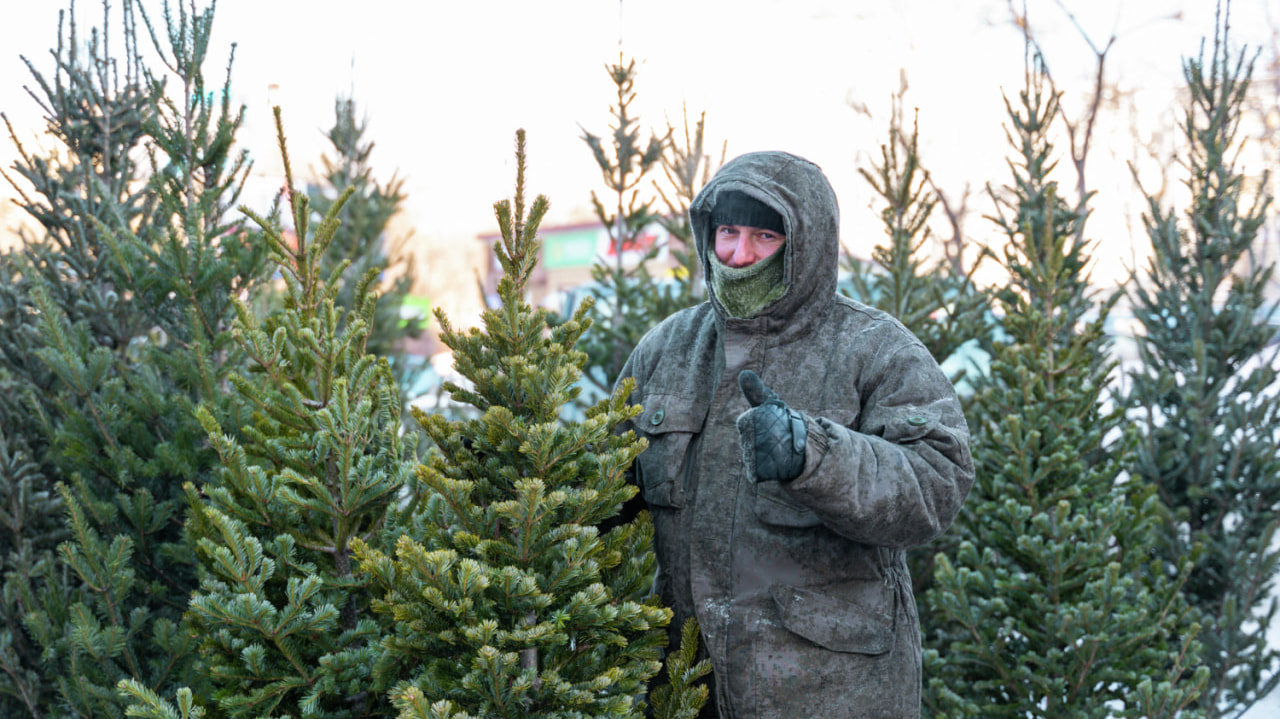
[(574, 248)]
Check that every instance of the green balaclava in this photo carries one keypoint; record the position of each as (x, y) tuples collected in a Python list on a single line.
[(744, 291)]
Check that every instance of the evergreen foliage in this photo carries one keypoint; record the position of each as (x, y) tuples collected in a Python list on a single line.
[(119, 314), (629, 299), (97, 116), (1054, 605), (687, 168), (30, 529), (941, 307), (281, 618), (362, 242), (1204, 394), (680, 696), (504, 596)]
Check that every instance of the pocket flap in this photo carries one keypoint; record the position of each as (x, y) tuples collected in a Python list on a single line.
[(669, 413), (855, 617), (773, 506)]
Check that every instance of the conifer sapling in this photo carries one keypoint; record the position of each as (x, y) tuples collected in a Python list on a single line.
[(280, 614), (505, 597)]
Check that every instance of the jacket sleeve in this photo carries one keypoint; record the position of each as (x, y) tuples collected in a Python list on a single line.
[(899, 479)]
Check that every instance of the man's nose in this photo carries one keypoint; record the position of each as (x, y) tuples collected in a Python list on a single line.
[(743, 255)]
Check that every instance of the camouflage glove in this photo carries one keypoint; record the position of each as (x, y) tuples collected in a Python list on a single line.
[(772, 434)]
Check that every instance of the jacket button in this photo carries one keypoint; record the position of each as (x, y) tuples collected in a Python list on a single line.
[(657, 417), (917, 420)]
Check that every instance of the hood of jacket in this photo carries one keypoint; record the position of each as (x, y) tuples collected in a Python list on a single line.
[(797, 190)]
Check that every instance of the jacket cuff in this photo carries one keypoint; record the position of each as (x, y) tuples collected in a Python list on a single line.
[(815, 447)]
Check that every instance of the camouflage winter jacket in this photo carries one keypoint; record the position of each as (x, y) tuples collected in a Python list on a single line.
[(801, 588)]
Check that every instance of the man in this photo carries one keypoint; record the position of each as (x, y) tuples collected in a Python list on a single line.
[(799, 442)]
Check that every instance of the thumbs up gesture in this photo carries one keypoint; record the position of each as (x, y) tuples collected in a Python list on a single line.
[(772, 434)]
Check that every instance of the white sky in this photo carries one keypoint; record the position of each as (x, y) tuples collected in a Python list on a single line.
[(446, 84)]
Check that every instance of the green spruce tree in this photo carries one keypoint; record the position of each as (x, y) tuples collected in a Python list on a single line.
[(97, 104), (687, 168), (1053, 604), (1204, 394), (125, 300), (362, 241), (504, 596), (682, 690), (940, 306), (629, 299), (281, 616)]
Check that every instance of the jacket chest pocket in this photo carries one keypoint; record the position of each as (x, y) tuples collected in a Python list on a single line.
[(670, 423)]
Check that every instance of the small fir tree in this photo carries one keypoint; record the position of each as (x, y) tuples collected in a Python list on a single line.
[(1204, 395), (126, 300), (623, 292), (940, 306), (505, 598), (680, 694), (362, 241), (96, 104), (687, 168), (281, 617), (1053, 603)]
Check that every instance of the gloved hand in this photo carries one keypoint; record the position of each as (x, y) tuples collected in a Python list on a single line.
[(772, 434)]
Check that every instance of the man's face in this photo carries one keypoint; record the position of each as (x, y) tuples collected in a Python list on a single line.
[(741, 246)]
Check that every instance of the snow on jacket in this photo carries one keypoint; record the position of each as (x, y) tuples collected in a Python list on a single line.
[(801, 588)]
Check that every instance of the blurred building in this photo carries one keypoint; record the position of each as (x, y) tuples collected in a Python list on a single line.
[(568, 254)]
